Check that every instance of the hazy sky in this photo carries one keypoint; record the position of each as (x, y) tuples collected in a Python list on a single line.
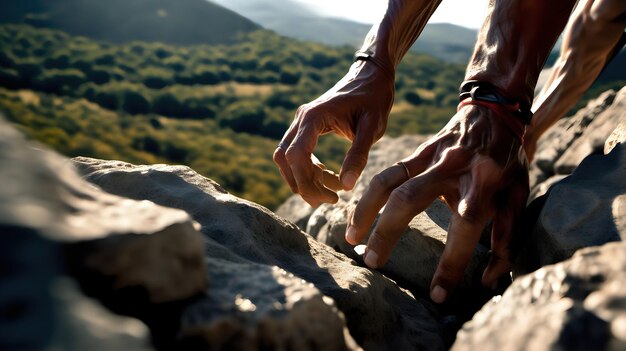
[(467, 13)]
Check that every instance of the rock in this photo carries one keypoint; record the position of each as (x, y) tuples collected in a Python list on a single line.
[(260, 267), (132, 255), (594, 136), (578, 304), (559, 137), (296, 211), (82, 323), (416, 256), (588, 208), (618, 136)]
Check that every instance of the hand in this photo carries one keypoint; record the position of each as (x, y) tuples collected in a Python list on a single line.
[(357, 108), (478, 167)]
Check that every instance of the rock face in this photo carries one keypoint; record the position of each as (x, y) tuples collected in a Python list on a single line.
[(129, 254), (202, 269), (272, 285), (578, 304), (570, 140)]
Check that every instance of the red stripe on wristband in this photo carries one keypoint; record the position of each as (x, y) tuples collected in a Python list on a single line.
[(504, 111)]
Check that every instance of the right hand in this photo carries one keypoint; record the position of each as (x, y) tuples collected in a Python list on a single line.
[(357, 108)]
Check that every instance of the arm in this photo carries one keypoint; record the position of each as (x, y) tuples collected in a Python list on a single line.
[(357, 107), (589, 38), (475, 163)]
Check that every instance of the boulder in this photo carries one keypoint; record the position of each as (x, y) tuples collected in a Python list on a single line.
[(131, 255), (592, 140), (577, 304), (587, 208), (272, 286)]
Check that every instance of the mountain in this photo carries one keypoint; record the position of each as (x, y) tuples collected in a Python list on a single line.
[(180, 22), (443, 40)]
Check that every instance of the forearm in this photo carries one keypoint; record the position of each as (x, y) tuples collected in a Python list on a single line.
[(389, 40), (587, 44), (514, 42)]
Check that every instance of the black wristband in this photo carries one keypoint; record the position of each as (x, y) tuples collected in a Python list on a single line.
[(485, 91)]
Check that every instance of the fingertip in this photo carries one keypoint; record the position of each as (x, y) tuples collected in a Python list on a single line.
[(438, 294), (348, 180), (371, 258), (351, 235)]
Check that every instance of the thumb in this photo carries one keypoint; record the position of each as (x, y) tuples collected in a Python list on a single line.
[(355, 160)]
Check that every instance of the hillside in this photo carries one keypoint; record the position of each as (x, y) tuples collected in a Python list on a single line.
[(443, 40), (180, 22), (220, 109)]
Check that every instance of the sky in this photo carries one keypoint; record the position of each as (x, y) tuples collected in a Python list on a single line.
[(466, 13)]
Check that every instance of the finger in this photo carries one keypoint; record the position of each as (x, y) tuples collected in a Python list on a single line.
[(308, 176), (356, 158), (279, 154), (464, 233), (284, 169), (378, 191), (405, 202), (330, 179), (502, 236)]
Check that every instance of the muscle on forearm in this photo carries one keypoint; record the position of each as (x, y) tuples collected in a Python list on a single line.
[(389, 40), (588, 42), (514, 43)]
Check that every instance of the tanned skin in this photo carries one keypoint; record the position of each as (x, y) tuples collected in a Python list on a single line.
[(476, 163)]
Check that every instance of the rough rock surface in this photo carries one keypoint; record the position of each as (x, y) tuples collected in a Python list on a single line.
[(572, 139), (260, 266), (579, 304)]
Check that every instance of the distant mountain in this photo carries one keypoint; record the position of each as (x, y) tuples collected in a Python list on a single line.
[(446, 41), (180, 22)]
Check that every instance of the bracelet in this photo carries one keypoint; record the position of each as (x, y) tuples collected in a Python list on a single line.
[(484, 91), (369, 56)]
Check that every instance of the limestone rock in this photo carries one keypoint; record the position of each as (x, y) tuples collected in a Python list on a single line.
[(593, 138), (253, 301), (558, 139), (131, 255), (588, 208), (578, 304)]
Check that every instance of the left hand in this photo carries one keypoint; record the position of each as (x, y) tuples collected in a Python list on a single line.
[(479, 168)]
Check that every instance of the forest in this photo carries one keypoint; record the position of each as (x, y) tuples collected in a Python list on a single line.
[(220, 109)]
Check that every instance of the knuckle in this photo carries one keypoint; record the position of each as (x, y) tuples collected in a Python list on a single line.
[(449, 273), (380, 182), (402, 196)]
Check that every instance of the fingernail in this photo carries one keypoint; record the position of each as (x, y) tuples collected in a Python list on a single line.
[(351, 235), (371, 258), (438, 294), (349, 180)]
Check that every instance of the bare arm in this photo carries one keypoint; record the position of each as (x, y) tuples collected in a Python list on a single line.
[(590, 36), (476, 163), (357, 107)]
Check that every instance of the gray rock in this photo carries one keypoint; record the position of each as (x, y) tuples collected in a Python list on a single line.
[(129, 254), (578, 304), (594, 136), (296, 211), (249, 252), (558, 139), (585, 209)]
